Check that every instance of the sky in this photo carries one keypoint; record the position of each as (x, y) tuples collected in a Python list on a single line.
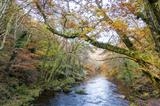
[(109, 36)]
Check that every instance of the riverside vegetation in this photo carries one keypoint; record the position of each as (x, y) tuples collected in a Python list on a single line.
[(45, 45)]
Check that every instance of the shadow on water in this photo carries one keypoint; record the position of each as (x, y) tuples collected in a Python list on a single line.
[(97, 91)]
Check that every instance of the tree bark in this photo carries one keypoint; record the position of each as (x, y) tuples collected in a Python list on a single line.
[(151, 16)]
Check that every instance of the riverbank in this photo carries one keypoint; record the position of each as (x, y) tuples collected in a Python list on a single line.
[(28, 75), (127, 92), (44, 96), (23, 95), (141, 94), (97, 90), (130, 95)]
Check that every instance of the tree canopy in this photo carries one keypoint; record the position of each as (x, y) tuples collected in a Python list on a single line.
[(133, 26), (47, 43)]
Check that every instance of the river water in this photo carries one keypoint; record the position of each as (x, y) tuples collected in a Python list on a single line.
[(97, 91)]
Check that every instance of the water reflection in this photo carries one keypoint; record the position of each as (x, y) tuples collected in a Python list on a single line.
[(100, 92)]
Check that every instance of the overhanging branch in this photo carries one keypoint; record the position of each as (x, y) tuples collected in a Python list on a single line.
[(136, 55), (54, 31)]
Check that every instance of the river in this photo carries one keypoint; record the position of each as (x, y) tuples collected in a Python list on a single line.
[(97, 91)]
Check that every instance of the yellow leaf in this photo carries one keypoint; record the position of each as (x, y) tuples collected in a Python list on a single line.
[(120, 25)]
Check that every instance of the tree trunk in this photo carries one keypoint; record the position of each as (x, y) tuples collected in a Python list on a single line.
[(151, 16)]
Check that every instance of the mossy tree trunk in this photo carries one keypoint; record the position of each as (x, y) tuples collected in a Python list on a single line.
[(151, 16)]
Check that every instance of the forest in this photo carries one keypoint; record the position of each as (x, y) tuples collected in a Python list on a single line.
[(60, 52)]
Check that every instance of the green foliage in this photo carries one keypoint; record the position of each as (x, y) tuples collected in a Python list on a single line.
[(59, 66), (21, 41), (58, 63), (127, 73)]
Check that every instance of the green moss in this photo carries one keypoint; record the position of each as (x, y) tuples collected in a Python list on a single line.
[(81, 92), (67, 89)]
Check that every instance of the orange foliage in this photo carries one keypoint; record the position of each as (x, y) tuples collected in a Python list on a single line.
[(130, 6), (91, 69), (120, 25), (70, 24), (24, 66)]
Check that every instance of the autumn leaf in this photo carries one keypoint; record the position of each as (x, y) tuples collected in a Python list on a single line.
[(120, 25)]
